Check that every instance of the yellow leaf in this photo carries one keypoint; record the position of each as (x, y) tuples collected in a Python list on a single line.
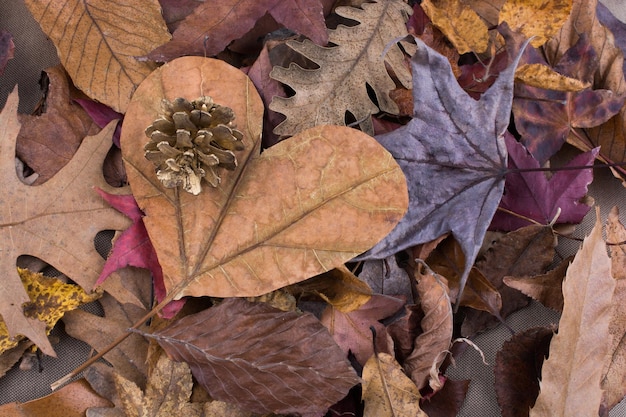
[(542, 76), (50, 299), (539, 18), (460, 23), (98, 42), (387, 391)]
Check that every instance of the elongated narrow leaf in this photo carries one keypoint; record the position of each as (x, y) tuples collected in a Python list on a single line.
[(301, 208), (270, 362)]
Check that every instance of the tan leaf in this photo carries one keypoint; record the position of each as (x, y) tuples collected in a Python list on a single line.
[(539, 18), (324, 95), (570, 377), (279, 217), (460, 23), (614, 374), (56, 221), (387, 391), (542, 76), (98, 40), (431, 346), (70, 401)]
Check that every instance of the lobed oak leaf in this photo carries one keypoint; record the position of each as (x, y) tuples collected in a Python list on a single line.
[(453, 155), (325, 95), (6, 49), (50, 299), (273, 361), (47, 142), (387, 391), (352, 332), (278, 218), (571, 376), (533, 195), (220, 23), (98, 42), (134, 248), (56, 221), (518, 369)]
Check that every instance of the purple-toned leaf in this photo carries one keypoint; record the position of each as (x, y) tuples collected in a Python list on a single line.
[(616, 26), (6, 49), (134, 248), (102, 115), (260, 358), (454, 157), (533, 195)]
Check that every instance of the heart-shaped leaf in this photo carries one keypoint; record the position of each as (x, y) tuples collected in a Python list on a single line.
[(301, 208)]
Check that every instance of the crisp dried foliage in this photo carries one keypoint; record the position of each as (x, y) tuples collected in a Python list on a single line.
[(539, 19), (296, 369)]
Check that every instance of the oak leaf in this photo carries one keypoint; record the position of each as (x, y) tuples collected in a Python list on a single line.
[(324, 95), (536, 197), (47, 142), (571, 376), (352, 332), (537, 19), (56, 221), (220, 23), (273, 361), (454, 156), (50, 299), (387, 391), (278, 218), (98, 42)]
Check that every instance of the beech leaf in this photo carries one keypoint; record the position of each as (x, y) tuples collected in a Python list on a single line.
[(454, 156), (387, 391), (570, 377), (278, 218), (98, 42), (324, 95), (56, 221), (273, 361)]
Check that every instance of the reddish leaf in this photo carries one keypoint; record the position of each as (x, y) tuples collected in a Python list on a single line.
[(6, 49), (175, 11), (222, 22), (102, 115), (533, 195), (453, 155), (518, 368), (260, 358), (134, 248), (476, 78), (352, 330)]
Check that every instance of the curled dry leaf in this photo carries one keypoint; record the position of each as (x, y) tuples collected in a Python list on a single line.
[(98, 42), (571, 376), (278, 218), (56, 221), (387, 391), (273, 361)]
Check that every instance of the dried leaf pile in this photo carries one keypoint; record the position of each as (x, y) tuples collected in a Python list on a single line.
[(302, 192)]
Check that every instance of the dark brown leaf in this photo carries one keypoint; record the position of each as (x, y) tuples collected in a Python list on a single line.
[(518, 369), (260, 358), (6, 49), (447, 402)]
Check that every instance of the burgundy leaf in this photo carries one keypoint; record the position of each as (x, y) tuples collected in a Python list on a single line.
[(446, 402), (102, 115), (260, 358), (454, 157), (134, 248), (533, 195), (6, 49)]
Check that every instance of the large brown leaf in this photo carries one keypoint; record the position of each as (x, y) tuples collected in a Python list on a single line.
[(98, 42), (299, 209), (570, 377), (261, 358), (56, 221)]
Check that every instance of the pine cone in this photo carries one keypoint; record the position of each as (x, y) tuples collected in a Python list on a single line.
[(189, 141)]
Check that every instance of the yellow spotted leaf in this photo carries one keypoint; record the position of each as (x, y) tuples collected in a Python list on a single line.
[(540, 19), (387, 391), (98, 42), (50, 299), (460, 23), (542, 76)]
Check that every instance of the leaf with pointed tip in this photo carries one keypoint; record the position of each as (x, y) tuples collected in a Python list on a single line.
[(532, 195), (278, 218), (454, 156), (271, 362)]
